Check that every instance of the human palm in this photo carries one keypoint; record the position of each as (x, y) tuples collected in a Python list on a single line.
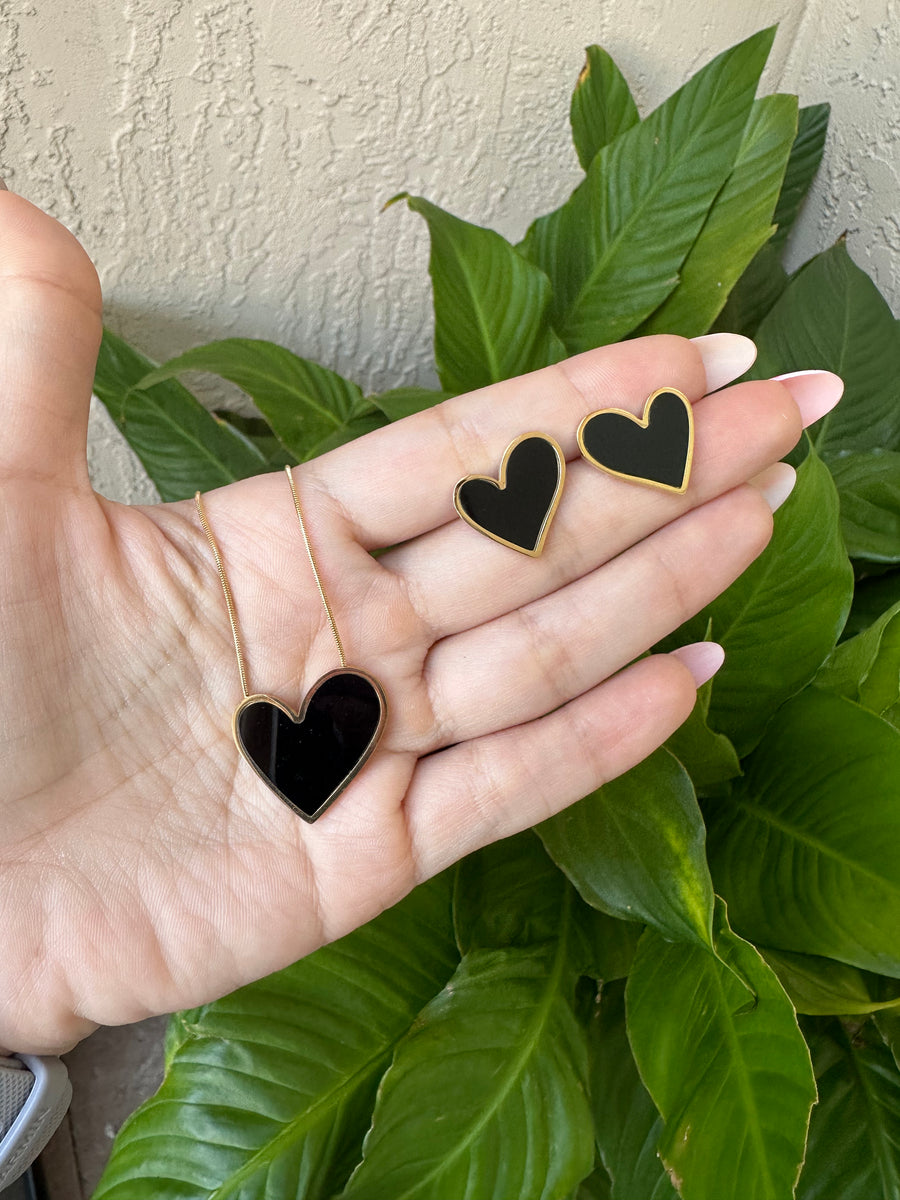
[(143, 865)]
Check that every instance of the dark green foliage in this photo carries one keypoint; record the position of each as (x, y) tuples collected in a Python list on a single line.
[(481, 1041)]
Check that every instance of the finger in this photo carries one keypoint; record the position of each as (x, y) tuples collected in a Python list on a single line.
[(542, 655), (50, 330), (398, 482), (457, 579), (480, 791)]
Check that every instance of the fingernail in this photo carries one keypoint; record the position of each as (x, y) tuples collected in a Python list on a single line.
[(726, 356), (776, 483), (815, 392), (702, 659)]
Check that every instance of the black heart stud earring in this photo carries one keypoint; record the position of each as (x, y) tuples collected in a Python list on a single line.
[(516, 508), (655, 449)]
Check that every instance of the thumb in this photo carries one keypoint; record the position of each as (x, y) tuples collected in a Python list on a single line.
[(50, 330)]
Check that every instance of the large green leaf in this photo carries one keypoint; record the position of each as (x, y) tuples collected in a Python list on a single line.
[(806, 155), (833, 317), (602, 105), (486, 1096), (181, 445), (738, 224), (823, 987), (490, 304), (725, 1063), (310, 408), (854, 1135), (806, 848), (866, 668), (614, 249), (635, 849), (628, 1126), (869, 486), (268, 1092), (782, 617)]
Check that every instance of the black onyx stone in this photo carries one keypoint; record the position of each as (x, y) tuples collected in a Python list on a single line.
[(308, 760), (518, 509), (655, 450)]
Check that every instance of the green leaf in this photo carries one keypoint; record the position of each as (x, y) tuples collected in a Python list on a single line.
[(628, 1126), (403, 402), (833, 317), (256, 431), (764, 280), (181, 445), (614, 249), (635, 849), (854, 1135), (738, 224), (823, 987), (866, 668), (873, 596), (485, 1098), (595, 1187), (490, 304), (869, 487), (268, 1092), (510, 893), (754, 294), (611, 944), (354, 427), (309, 408), (727, 1066), (782, 617), (806, 155), (708, 757), (806, 848), (602, 106), (887, 1022)]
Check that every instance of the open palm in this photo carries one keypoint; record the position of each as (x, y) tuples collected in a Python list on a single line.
[(143, 865)]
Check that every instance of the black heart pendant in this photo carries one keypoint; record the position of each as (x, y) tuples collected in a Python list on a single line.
[(516, 509), (309, 758), (655, 449)]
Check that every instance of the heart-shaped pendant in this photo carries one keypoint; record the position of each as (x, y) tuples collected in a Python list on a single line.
[(308, 758), (655, 449), (516, 509)]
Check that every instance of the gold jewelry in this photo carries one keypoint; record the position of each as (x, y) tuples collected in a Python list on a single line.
[(516, 508), (656, 449), (306, 757)]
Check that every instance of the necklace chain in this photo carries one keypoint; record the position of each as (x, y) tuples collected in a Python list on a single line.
[(229, 598)]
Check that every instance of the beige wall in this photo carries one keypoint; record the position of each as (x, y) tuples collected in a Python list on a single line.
[(224, 161)]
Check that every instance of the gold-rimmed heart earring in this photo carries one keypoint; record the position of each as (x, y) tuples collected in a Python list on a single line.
[(655, 449), (517, 507)]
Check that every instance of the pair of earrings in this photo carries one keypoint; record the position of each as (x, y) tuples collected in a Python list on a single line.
[(516, 509)]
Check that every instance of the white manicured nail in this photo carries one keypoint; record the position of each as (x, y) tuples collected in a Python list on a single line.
[(776, 483), (702, 659), (726, 356)]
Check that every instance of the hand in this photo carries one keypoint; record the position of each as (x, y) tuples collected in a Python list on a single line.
[(143, 865)]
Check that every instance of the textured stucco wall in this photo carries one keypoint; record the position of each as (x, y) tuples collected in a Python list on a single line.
[(225, 161)]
